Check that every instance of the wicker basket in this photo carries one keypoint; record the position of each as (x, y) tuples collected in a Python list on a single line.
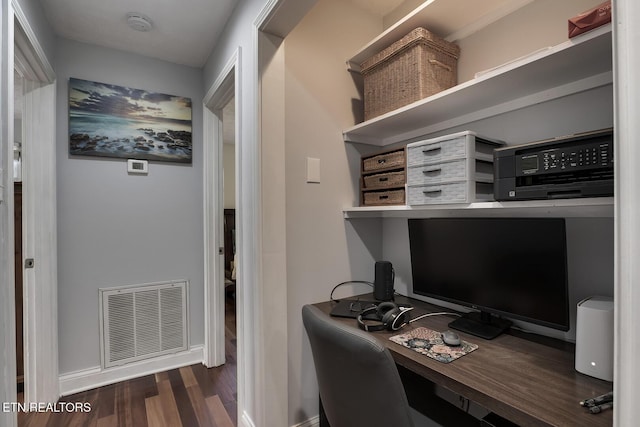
[(382, 198), (384, 180), (418, 65), (384, 161)]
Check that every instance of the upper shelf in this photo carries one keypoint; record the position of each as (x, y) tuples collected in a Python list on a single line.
[(450, 19), (581, 63)]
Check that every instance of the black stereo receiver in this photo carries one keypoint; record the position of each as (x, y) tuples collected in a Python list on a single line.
[(579, 165)]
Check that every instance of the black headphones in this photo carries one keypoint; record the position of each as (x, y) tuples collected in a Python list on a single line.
[(389, 315)]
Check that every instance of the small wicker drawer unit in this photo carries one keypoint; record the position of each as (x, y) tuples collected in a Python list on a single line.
[(384, 161), (383, 179), (455, 168), (415, 67), (381, 198)]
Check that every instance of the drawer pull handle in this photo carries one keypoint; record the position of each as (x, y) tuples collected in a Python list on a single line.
[(386, 178), (384, 197), (432, 171), (381, 161), (432, 192), (430, 150)]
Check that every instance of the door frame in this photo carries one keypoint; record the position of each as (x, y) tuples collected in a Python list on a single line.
[(224, 88), (276, 17), (626, 382), (41, 383)]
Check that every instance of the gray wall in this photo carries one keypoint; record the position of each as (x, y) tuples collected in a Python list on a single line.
[(117, 229)]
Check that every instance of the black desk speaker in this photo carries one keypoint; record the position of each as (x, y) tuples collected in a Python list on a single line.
[(383, 282)]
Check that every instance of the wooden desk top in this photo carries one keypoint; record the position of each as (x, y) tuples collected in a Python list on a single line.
[(527, 382)]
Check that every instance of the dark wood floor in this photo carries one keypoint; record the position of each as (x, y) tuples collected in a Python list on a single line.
[(191, 396)]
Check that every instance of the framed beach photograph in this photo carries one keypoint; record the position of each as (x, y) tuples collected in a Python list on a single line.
[(114, 121)]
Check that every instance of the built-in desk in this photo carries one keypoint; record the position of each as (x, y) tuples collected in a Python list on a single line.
[(529, 380)]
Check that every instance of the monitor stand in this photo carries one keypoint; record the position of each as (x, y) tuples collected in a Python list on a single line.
[(481, 324)]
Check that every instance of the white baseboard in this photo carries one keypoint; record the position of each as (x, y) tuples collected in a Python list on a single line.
[(311, 422), (88, 379), (246, 421)]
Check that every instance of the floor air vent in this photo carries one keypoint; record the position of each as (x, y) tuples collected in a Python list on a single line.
[(143, 321)]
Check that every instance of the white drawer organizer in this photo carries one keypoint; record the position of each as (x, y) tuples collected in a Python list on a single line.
[(456, 168)]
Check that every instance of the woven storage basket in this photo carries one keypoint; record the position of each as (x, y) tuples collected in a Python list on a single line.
[(384, 161), (416, 66), (381, 198), (384, 180)]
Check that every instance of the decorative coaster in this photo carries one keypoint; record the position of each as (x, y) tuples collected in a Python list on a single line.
[(428, 342)]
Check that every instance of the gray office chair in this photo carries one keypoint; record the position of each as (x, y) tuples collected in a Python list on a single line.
[(358, 379)]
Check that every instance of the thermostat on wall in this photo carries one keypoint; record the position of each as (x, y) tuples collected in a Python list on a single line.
[(137, 166)]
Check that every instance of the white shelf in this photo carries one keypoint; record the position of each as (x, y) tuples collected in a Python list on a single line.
[(597, 207), (449, 19), (577, 65)]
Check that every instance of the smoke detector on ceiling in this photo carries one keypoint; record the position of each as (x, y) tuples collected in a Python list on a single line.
[(138, 21)]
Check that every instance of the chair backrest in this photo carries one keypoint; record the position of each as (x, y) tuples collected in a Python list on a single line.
[(358, 379)]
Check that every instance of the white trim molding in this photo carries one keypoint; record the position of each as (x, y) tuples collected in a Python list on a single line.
[(7, 254), (87, 379), (246, 421), (39, 212), (266, 285), (626, 62), (225, 87), (28, 44), (311, 422), (220, 90)]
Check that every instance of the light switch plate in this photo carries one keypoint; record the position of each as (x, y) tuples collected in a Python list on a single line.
[(313, 170)]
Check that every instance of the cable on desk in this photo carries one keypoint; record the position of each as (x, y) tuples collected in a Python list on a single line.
[(346, 283), (397, 294), (440, 313)]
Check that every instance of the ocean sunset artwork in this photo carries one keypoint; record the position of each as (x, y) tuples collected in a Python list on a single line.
[(115, 121)]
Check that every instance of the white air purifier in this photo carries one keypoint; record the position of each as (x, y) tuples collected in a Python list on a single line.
[(594, 337)]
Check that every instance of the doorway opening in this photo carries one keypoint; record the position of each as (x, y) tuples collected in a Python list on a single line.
[(222, 229), (18, 87), (229, 226)]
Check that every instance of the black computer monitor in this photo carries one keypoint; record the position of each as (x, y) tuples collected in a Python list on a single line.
[(510, 267)]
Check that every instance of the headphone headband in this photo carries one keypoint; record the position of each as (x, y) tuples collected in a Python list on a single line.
[(389, 315), (367, 327)]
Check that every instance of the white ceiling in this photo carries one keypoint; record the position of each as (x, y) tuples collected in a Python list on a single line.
[(183, 32), (378, 7)]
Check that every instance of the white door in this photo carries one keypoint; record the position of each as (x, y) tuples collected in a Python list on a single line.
[(39, 216)]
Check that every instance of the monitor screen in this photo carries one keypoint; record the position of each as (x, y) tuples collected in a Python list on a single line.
[(511, 267)]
